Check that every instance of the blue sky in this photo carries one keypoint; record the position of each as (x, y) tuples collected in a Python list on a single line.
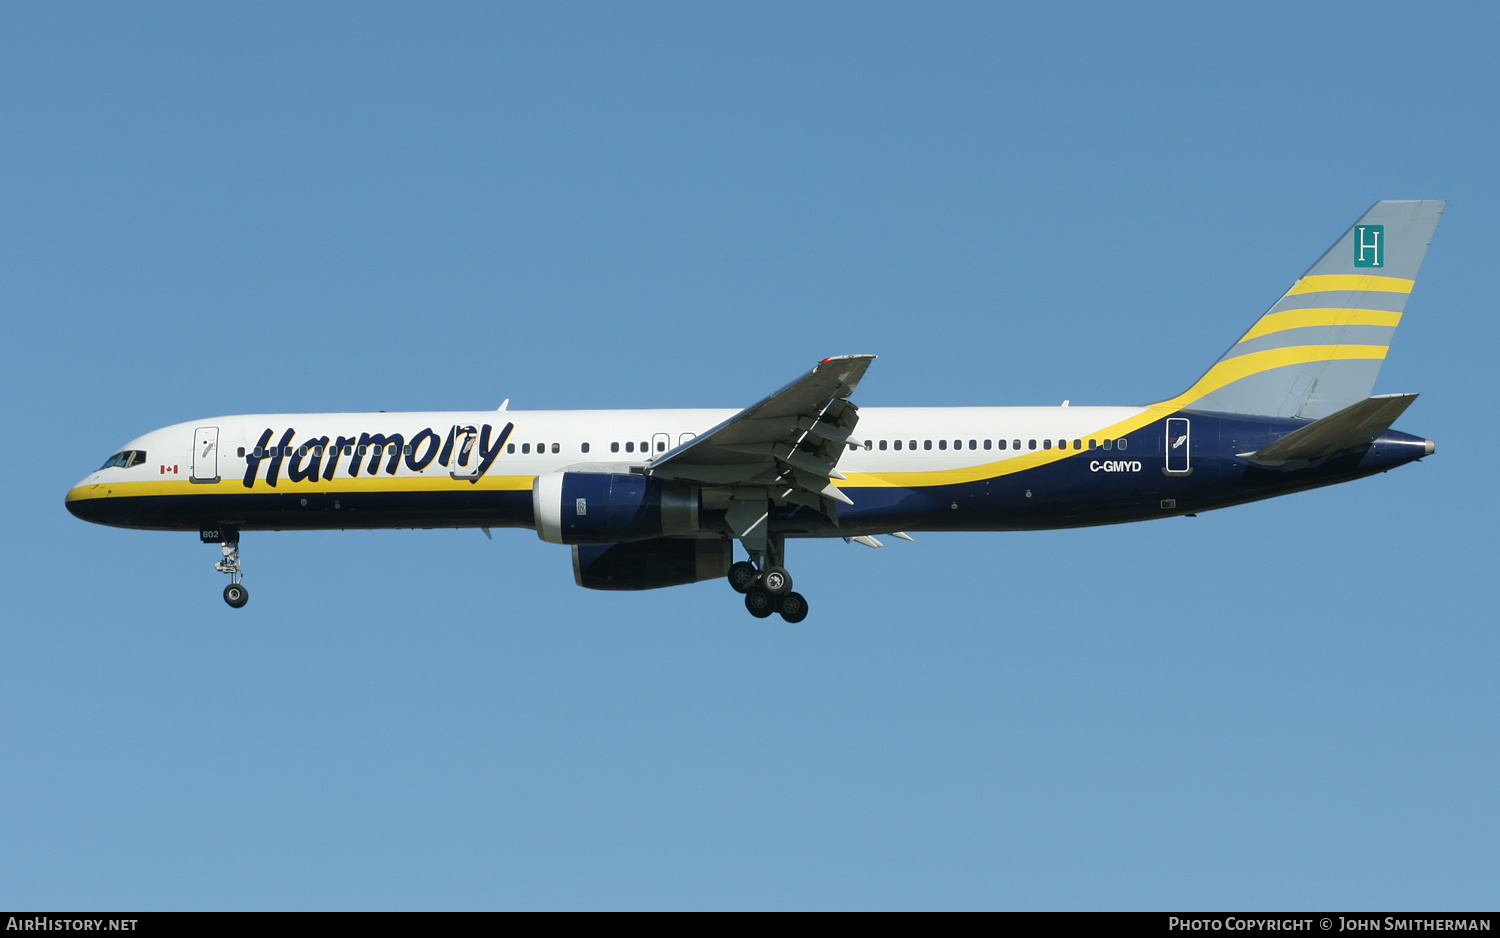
[(281, 208)]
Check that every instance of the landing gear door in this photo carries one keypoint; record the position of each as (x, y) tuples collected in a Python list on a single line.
[(466, 460), (205, 454), (1178, 447)]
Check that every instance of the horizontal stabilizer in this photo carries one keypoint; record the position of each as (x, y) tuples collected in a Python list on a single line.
[(1355, 425)]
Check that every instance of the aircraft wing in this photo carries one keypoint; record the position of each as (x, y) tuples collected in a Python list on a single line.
[(789, 443)]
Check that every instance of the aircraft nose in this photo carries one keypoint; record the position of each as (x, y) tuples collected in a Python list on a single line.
[(83, 503)]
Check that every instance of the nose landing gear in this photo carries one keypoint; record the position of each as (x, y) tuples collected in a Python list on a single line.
[(235, 593)]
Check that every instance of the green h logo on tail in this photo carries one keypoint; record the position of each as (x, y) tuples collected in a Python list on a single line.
[(1369, 245)]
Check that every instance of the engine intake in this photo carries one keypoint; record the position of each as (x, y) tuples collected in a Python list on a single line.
[(611, 508)]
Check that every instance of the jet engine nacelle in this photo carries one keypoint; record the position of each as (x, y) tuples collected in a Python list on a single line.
[(611, 508), (649, 565)]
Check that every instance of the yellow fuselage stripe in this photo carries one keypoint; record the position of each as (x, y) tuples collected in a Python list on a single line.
[(1358, 282), (1224, 373), (1322, 316), (285, 487)]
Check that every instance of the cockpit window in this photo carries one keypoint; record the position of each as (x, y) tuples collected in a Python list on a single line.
[(124, 459)]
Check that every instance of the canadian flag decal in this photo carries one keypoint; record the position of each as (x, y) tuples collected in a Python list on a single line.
[(167, 469)]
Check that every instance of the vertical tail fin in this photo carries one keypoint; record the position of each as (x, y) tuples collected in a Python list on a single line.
[(1320, 347)]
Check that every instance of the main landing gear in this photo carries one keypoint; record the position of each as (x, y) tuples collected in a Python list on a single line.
[(235, 593), (767, 589)]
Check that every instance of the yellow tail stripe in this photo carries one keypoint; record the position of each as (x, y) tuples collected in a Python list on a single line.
[(1372, 284), (1323, 316), (1233, 369)]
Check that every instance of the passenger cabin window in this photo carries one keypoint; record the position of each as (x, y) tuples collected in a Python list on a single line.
[(869, 444), (629, 446), (1107, 444), (510, 447), (242, 451), (1000, 444), (927, 444), (1046, 444), (942, 444), (585, 447), (1120, 444), (614, 447), (898, 444), (882, 446), (1031, 444), (1093, 444), (987, 443), (526, 448), (556, 448)]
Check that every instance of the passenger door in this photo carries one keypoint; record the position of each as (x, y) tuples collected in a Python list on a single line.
[(466, 459), (1178, 447), (206, 454)]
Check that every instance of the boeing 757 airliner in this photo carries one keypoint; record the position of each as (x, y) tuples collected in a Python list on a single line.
[(653, 498)]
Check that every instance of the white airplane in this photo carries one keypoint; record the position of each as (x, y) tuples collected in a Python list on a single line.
[(653, 498)]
